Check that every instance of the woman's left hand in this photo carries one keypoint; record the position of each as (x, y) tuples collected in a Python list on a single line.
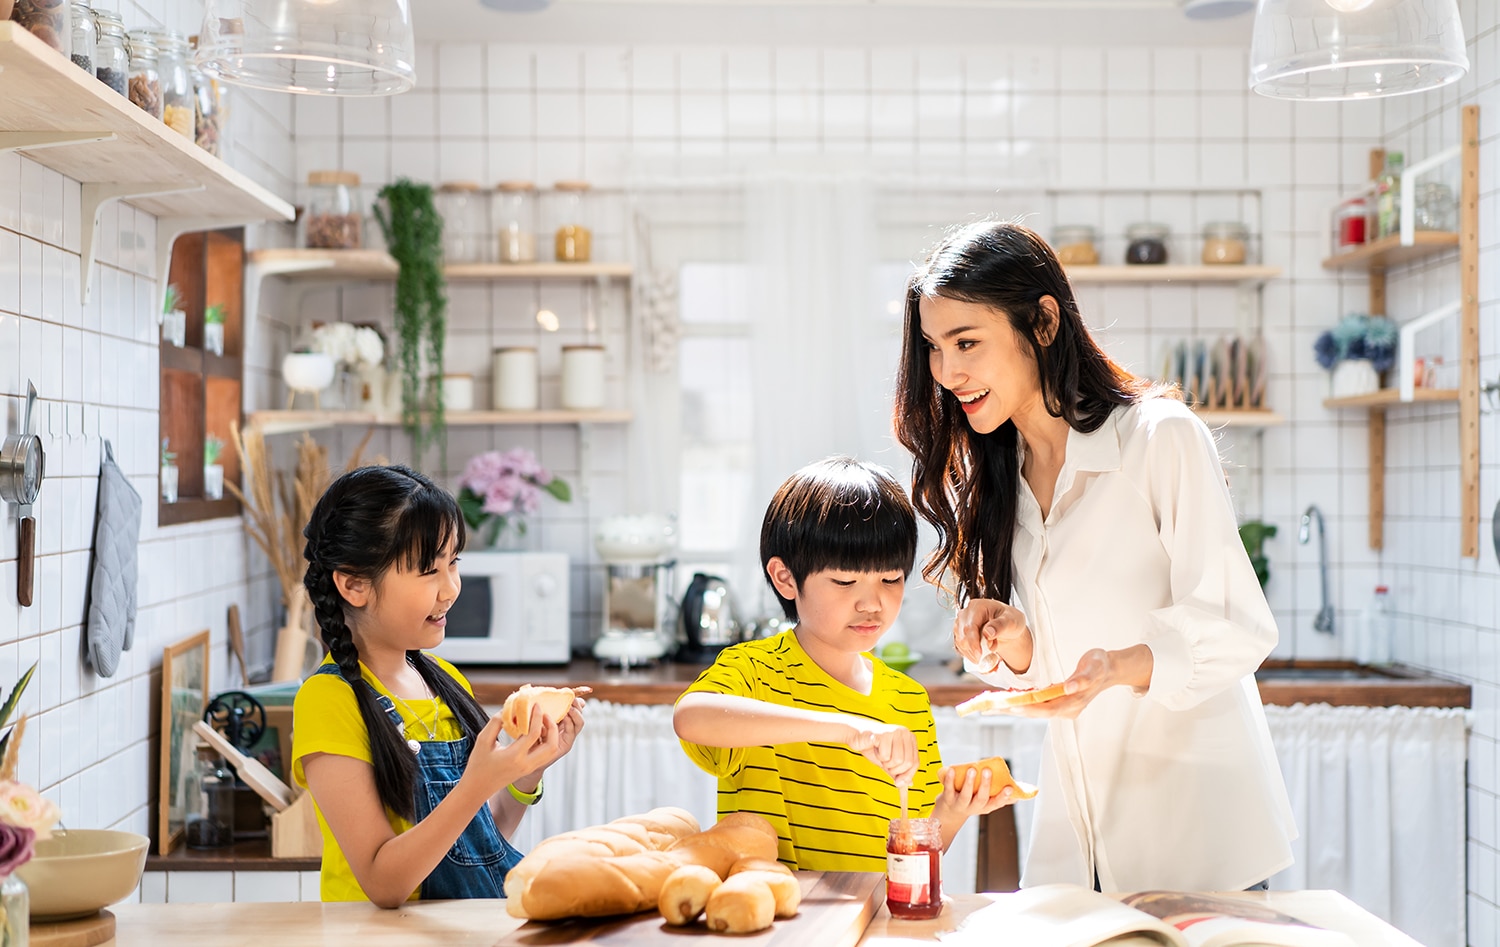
[(1097, 671)]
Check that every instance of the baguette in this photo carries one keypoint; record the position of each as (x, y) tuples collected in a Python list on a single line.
[(555, 702), (1005, 699), (1000, 777)]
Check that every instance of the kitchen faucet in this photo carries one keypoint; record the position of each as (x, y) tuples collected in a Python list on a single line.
[(1324, 621)]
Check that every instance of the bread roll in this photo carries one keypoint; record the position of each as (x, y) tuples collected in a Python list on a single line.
[(743, 904), (685, 893), (1000, 777), (555, 702), (785, 889), (1006, 698)]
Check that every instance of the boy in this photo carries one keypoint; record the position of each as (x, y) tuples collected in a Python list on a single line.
[(807, 728)]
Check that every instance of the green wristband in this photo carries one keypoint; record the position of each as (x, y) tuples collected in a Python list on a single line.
[(526, 798)]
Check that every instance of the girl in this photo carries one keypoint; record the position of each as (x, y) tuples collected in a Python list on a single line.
[(1084, 519), (414, 793)]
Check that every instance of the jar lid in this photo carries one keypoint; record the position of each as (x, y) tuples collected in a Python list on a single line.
[(1075, 231), (583, 348), (447, 375), (1147, 230), (1226, 228), (570, 185), (512, 187), (171, 41), (142, 42), (332, 177), (450, 187), (516, 348)]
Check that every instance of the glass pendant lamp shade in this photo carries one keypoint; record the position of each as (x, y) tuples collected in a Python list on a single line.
[(317, 47), (1352, 49)]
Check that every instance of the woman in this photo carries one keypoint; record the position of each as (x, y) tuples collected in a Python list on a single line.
[(1085, 526)]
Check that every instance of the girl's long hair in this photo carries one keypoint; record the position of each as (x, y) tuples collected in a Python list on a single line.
[(967, 484), (368, 521)]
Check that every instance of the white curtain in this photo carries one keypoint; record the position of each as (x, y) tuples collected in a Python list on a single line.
[(1379, 794)]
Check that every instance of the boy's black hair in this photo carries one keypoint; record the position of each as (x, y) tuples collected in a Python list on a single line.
[(842, 514)]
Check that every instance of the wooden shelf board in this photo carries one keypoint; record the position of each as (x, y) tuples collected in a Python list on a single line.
[(1388, 251), (504, 271), (1145, 273), (1388, 397), (1246, 418), (46, 93), (285, 422), (378, 265)]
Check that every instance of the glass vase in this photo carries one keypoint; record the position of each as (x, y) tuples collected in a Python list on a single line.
[(15, 911)]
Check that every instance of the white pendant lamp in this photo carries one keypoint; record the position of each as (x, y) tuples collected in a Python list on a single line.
[(1353, 49), (315, 47)]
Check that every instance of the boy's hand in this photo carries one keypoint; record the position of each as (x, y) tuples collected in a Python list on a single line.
[(987, 631), (973, 797), (889, 746)]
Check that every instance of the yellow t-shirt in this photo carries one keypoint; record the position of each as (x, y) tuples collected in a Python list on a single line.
[(325, 719), (831, 807)]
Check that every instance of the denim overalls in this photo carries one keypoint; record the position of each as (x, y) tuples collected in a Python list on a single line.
[(476, 865)]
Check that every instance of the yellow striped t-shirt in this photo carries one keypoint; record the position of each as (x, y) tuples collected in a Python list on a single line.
[(831, 807)]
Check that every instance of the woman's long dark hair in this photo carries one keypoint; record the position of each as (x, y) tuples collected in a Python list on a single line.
[(370, 520), (967, 484)]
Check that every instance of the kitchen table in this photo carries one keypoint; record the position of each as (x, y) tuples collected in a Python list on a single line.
[(454, 923)]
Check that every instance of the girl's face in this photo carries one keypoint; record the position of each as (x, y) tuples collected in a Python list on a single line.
[(973, 351), (409, 608)]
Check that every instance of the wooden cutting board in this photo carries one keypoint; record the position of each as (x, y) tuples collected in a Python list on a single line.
[(837, 906)]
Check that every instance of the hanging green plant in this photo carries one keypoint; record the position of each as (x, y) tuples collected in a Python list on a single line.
[(414, 236)]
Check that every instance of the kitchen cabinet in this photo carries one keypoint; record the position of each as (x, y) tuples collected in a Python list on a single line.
[(1375, 259)]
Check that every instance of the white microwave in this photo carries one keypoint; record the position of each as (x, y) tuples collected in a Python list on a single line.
[(512, 609)]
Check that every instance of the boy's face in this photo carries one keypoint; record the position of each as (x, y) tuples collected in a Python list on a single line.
[(843, 610)]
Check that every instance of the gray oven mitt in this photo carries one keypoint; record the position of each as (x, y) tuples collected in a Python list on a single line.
[(117, 532)]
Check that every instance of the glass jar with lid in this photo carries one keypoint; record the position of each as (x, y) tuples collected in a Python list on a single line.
[(334, 218), (1351, 224), (573, 235), (1225, 241), (208, 107), (85, 34), (1076, 245), (462, 205), (144, 86), (111, 61), (1434, 208), (1147, 243), (48, 21), (515, 221), (176, 87), (913, 869)]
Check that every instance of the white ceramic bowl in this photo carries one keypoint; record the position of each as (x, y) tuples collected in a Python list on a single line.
[(634, 538), (307, 371), (79, 871)]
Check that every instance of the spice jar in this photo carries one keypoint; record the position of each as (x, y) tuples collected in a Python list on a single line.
[(334, 218), (1147, 243), (84, 34), (461, 204), (176, 87), (47, 20), (573, 238), (913, 869), (515, 221), (145, 76), (1435, 208), (1075, 245), (111, 62), (1224, 242), (208, 107), (1351, 225)]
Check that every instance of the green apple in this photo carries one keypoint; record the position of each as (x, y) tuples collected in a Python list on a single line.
[(895, 649)]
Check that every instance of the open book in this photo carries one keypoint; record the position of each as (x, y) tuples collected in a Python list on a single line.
[(1072, 916)]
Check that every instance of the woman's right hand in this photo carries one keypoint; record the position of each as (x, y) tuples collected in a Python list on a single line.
[(496, 766), (988, 631)]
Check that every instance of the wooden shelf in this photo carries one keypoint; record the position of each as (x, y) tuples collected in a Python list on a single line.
[(536, 271), (1390, 397), (1388, 251), (286, 422), (1148, 273), (1256, 418), (378, 265)]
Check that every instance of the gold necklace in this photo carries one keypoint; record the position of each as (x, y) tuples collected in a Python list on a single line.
[(416, 746)]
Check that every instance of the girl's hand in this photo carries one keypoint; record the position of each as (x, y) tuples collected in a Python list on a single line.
[(889, 746), (988, 631), (973, 797), (567, 729), (497, 766)]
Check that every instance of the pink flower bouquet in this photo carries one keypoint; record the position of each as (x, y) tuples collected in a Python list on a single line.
[(498, 489)]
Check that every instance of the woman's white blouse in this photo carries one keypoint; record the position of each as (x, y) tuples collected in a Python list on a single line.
[(1178, 786)]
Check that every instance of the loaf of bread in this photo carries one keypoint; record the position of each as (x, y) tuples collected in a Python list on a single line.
[(1005, 699), (621, 867), (1000, 777), (555, 702)]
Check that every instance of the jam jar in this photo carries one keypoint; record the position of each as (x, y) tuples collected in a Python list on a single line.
[(913, 869), (1076, 245), (1148, 243), (1224, 242)]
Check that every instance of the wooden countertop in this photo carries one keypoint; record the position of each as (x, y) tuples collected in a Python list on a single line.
[(1282, 683), (485, 923)]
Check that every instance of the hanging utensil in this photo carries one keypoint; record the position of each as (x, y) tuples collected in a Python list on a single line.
[(22, 464)]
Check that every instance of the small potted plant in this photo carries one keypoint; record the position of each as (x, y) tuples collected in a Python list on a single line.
[(213, 329), (173, 319), (168, 473), (1253, 535), (498, 490), (1357, 351), (213, 471)]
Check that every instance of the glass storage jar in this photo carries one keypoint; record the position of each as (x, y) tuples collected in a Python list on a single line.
[(1076, 245), (1351, 224), (334, 217), (111, 62), (1147, 243), (176, 87), (573, 236), (1225, 242), (208, 110), (515, 221), (913, 869), (1434, 208), (48, 21), (145, 78), (85, 34), (466, 223)]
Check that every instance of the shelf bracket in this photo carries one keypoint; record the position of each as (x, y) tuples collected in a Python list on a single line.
[(585, 457), (95, 196), (1409, 190), (36, 141), (168, 229), (1406, 348)]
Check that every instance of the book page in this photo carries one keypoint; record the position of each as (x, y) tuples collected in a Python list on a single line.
[(1060, 916), (1207, 920)]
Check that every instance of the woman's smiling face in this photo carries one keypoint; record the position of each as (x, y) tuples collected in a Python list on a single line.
[(975, 354)]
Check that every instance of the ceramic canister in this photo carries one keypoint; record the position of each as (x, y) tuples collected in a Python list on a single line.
[(515, 383), (583, 377)]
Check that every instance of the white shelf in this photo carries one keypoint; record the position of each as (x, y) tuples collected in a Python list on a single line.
[(1166, 273), (63, 118), (289, 422)]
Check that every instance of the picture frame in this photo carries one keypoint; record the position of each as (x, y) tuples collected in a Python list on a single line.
[(184, 698)]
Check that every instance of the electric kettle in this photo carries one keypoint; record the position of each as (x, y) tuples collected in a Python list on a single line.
[(706, 623)]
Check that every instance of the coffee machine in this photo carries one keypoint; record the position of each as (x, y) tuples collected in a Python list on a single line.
[(639, 613)]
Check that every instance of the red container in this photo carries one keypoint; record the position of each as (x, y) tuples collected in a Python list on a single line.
[(914, 869)]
